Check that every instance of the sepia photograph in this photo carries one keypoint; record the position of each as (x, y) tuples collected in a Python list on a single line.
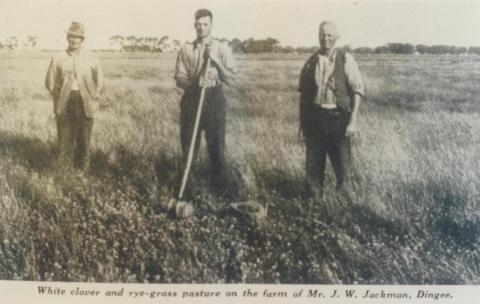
[(247, 142)]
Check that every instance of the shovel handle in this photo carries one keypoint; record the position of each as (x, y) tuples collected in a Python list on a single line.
[(186, 172)]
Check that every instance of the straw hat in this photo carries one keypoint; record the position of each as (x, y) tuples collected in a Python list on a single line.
[(76, 29)]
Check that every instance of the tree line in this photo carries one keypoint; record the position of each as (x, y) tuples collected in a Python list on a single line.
[(132, 43), (14, 43), (407, 48), (272, 45), (166, 44)]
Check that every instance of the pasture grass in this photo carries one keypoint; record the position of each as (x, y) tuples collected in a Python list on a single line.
[(415, 220)]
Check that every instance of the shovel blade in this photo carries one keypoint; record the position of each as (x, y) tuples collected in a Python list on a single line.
[(180, 209)]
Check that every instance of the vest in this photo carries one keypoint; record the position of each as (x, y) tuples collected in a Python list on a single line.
[(308, 87)]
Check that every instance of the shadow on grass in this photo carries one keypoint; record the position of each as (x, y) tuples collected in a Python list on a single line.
[(33, 152), (281, 183), (450, 223), (150, 174)]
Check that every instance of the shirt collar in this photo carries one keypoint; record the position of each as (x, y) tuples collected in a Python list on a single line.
[(197, 43), (331, 57)]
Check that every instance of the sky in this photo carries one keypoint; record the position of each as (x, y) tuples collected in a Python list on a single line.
[(294, 23)]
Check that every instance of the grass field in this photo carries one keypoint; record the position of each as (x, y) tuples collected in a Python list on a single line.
[(415, 221)]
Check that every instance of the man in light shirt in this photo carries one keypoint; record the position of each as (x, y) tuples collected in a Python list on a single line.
[(189, 76), (331, 89), (74, 79)]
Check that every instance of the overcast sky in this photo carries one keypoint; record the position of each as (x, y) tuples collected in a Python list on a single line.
[(361, 23)]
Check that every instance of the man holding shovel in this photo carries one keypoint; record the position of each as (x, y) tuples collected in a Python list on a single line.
[(202, 67), (331, 89)]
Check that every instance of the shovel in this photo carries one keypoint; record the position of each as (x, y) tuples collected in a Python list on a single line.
[(181, 208), (252, 211)]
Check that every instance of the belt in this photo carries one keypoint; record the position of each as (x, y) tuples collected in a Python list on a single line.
[(321, 108), (329, 106)]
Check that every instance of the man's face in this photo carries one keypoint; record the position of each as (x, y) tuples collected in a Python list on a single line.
[(74, 42), (328, 35), (203, 26)]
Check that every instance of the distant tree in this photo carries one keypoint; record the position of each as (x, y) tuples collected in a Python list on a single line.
[(273, 44), (475, 50), (286, 49), (131, 40), (382, 50), (149, 44), (237, 45), (32, 41), (117, 42), (224, 40), (400, 48), (457, 50), (246, 44), (131, 44), (139, 41), (438, 49), (11, 43), (462, 50), (346, 48), (421, 48), (363, 50), (162, 44), (267, 45)]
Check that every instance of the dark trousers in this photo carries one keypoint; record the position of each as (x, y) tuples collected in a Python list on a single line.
[(325, 135), (74, 131), (212, 122)]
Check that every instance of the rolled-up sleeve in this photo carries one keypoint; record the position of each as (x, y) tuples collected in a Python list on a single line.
[(51, 77), (354, 78), (180, 68), (228, 60), (99, 78)]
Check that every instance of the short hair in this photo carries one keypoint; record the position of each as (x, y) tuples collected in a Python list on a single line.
[(329, 23), (203, 13)]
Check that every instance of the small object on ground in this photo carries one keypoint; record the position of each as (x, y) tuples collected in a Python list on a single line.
[(250, 210)]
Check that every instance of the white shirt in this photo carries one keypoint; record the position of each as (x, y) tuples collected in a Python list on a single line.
[(326, 83)]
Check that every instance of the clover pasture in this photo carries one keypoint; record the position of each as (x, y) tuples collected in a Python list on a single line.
[(415, 221)]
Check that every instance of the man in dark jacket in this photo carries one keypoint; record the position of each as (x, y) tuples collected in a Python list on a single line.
[(331, 89)]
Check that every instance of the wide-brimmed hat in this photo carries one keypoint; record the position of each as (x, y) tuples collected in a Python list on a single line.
[(76, 29)]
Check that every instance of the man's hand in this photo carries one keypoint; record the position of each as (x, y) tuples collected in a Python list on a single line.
[(210, 80), (352, 130), (182, 82), (212, 54)]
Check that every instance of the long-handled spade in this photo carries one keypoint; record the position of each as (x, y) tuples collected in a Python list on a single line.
[(250, 210), (184, 209)]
